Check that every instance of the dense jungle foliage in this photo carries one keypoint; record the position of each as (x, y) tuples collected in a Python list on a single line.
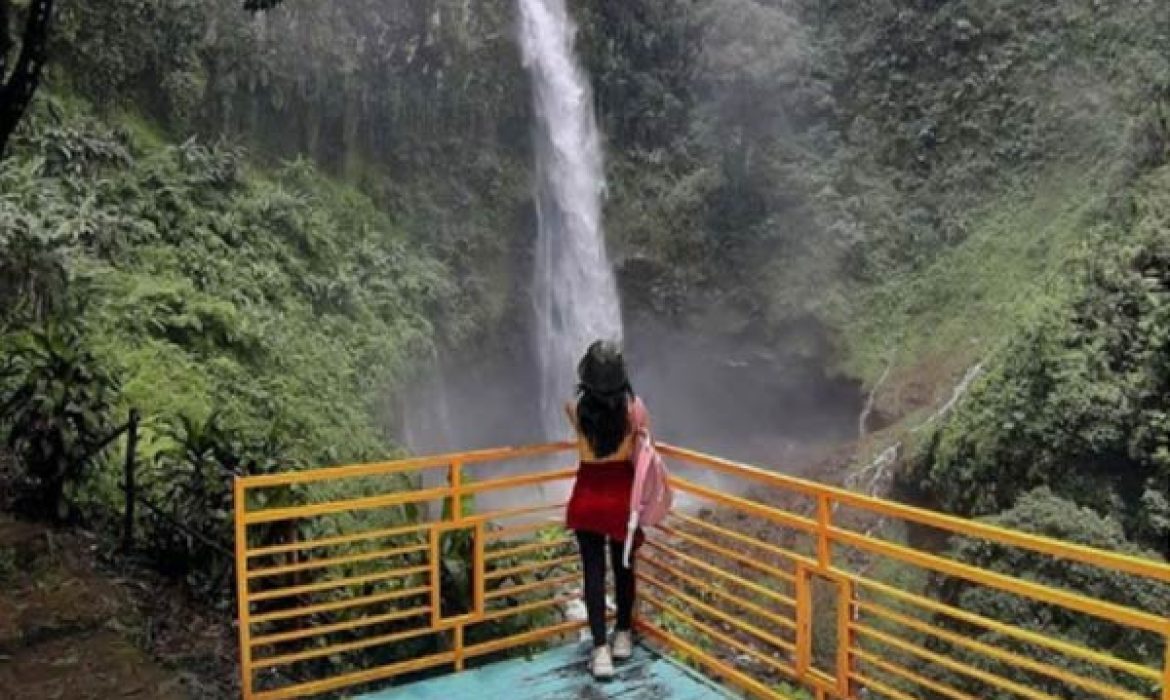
[(253, 228)]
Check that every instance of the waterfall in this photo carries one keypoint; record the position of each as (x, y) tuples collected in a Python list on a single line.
[(427, 426), (574, 289)]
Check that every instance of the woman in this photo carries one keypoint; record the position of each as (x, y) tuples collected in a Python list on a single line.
[(599, 507)]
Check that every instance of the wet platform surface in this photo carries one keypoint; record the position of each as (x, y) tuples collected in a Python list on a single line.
[(560, 673)]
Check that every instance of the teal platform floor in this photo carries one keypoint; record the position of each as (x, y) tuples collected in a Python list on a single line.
[(560, 674)]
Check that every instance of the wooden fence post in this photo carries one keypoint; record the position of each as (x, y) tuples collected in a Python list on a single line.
[(131, 447)]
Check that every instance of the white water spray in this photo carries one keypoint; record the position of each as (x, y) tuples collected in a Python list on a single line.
[(574, 288), (427, 426)]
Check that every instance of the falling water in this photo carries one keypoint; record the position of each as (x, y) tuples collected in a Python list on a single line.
[(427, 426), (575, 292)]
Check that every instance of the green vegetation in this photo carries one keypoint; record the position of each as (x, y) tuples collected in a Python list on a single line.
[(253, 227), (1015, 258), (1078, 400), (57, 410), (255, 317), (1043, 512)]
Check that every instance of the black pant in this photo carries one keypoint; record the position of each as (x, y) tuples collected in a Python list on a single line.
[(592, 548)]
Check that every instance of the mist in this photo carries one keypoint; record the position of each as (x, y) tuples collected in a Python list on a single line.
[(725, 395)]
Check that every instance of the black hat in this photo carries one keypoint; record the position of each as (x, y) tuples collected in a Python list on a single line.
[(603, 369)]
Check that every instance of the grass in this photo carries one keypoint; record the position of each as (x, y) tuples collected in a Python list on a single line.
[(946, 316)]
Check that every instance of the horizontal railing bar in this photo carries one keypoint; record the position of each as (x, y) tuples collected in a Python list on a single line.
[(398, 466), (752, 586), (521, 639), (492, 615), (909, 675), (316, 510), (957, 666), (787, 671), (525, 529), (528, 587), (821, 681), (302, 690), (525, 549), (527, 568), (1000, 654), (1072, 601), (335, 583), (753, 473), (710, 663), (322, 630), (360, 601), (729, 554), (334, 541), (734, 599), (1019, 633), (1102, 558), (872, 685), (509, 513), (717, 613), (750, 541), (776, 515), (286, 659), (335, 561), (511, 482)]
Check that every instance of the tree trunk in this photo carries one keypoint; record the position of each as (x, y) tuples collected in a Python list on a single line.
[(17, 90), (5, 38)]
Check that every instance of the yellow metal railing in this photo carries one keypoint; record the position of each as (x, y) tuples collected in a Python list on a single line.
[(772, 584)]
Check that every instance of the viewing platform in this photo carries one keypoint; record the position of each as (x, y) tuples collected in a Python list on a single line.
[(451, 577), (560, 674)]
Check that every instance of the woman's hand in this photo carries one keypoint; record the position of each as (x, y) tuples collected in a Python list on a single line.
[(571, 412)]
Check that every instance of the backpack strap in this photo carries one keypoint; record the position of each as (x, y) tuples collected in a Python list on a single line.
[(639, 417)]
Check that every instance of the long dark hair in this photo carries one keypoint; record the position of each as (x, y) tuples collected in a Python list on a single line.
[(603, 395)]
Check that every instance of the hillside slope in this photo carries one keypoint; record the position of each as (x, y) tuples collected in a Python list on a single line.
[(69, 628)]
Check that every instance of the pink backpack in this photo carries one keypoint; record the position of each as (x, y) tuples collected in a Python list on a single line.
[(651, 495)]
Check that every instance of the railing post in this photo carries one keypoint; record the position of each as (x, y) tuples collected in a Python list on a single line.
[(824, 522), (803, 592), (1166, 669), (458, 633), (455, 481), (242, 589), (436, 576), (845, 610), (478, 570)]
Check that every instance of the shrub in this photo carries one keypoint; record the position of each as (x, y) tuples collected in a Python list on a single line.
[(55, 407)]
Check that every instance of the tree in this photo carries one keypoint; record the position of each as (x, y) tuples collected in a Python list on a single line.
[(18, 85), (642, 57), (1045, 513)]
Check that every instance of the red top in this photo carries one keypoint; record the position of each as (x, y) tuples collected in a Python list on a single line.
[(601, 499)]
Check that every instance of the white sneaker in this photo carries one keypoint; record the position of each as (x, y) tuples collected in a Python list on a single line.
[(623, 645), (601, 663)]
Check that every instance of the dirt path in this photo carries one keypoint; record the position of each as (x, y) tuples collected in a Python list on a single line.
[(71, 630)]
